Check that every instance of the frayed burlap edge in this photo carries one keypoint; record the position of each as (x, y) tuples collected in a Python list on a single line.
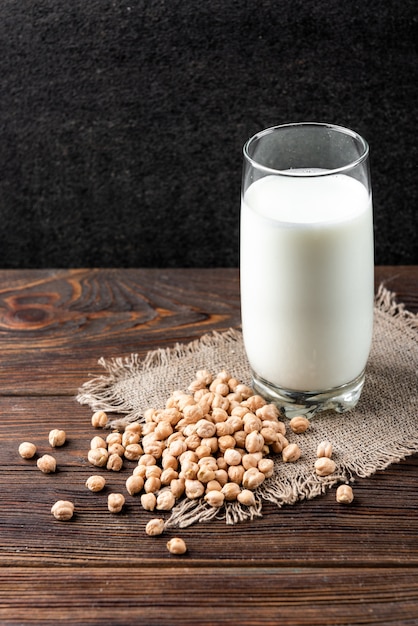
[(290, 483)]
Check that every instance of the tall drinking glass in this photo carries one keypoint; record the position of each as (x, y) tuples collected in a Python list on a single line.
[(307, 265)]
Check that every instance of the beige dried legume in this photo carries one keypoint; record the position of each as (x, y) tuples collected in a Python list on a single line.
[(176, 546)]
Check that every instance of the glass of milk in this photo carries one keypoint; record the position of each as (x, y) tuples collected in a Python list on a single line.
[(307, 265)]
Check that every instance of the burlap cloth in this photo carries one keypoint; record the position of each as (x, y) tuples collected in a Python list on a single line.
[(381, 430)]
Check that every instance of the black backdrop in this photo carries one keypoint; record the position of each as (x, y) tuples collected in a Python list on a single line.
[(122, 121)]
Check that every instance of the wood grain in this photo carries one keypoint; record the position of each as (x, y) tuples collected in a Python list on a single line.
[(312, 563), (183, 595), (55, 325)]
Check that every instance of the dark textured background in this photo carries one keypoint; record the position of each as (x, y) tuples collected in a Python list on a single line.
[(122, 122)]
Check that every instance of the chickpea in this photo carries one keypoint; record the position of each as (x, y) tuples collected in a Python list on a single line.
[(246, 497), (116, 448), (135, 427), (325, 466), (231, 491), (165, 501), (63, 510), (299, 424), (194, 489), (134, 484), (98, 442), (252, 478), (324, 449), (95, 483), (98, 456), (133, 452), (215, 498), (232, 456), (344, 494), (153, 471), (254, 442), (114, 463), (99, 419), (291, 453), (115, 502), (168, 475), (129, 437), (236, 473), (205, 473), (57, 437), (176, 546), (47, 464), (266, 466), (152, 484), (27, 450), (148, 501), (177, 487), (155, 527)]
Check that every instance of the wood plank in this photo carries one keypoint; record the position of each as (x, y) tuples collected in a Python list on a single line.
[(381, 527), (185, 595), (55, 325)]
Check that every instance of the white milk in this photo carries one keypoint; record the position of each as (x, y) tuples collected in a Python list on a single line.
[(307, 280)]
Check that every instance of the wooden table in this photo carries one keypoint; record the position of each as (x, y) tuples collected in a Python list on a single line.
[(312, 563)]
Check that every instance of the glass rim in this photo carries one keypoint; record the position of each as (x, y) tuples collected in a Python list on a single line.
[(293, 173)]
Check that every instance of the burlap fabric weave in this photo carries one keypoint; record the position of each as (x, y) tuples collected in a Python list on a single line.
[(381, 430)]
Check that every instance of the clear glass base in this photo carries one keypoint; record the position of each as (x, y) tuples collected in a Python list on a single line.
[(309, 403)]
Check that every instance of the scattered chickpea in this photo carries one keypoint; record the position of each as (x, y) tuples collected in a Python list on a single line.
[(114, 437), (152, 484), (57, 437), (47, 464), (231, 491), (254, 442), (116, 448), (153, 471), (236, 473), (344, 494), (246, 497), (232, 456), (252, 478), (215, 498), (98, 456), (115, 502), (266, 466), (148, 501), (133, 451), (134, 484), (98, 442), (168, 475), (99, 419), (114, 462), (27, 450), (165, 501), (291, 453), (194, 489), (63, 510), (324, 449), (176, 546), (324, 466), (135, 427), (95, 483), (129, 437), (299, 424), (177, 487), (155, 527)]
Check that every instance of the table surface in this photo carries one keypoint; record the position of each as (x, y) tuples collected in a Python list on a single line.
[(316, 562)]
